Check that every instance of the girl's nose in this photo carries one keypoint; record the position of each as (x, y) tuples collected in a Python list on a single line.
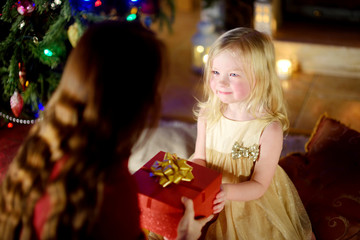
[(223, 81)]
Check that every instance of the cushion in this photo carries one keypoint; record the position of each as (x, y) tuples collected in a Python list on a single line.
[(332, 137), (328, 180)]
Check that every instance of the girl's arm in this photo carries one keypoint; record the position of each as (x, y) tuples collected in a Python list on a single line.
[(199, 157), (200, 153), (270, 149)]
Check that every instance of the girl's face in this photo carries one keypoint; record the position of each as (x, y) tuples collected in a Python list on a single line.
[(228, 80)]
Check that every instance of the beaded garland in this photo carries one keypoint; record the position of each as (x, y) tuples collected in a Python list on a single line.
[(19, 120)]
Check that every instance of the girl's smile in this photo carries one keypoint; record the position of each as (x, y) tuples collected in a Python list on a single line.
[(222, 92)]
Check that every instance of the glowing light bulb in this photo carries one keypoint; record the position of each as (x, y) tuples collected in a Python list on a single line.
[(10, 125), (48, 53), (98, 3), (134, 10), (131, 17), (41, 106)]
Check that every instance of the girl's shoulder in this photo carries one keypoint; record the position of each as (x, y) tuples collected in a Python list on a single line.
[(273, 127), (272, 131)]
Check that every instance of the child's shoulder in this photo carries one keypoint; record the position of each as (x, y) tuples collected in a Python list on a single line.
[(273, 130), (274, 126)]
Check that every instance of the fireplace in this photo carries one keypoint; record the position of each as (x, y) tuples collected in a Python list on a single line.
[(316, 36), (329, 12), (330, 22)]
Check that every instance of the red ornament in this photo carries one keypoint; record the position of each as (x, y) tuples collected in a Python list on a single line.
[(25, 7), (10, 125), (16, 103)]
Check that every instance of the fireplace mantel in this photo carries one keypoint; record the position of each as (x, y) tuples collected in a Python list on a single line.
[(329, 22)]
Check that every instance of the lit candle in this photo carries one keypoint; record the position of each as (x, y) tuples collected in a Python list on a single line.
[(284, 68)]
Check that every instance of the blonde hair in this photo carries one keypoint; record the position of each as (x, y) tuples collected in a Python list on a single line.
[(81, 122), (256, 50)]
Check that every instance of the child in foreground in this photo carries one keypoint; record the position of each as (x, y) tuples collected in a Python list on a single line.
[(240, 134)]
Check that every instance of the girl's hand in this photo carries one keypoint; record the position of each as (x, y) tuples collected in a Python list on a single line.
[(219, 201)]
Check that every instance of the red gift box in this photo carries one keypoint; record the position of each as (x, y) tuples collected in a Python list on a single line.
[(161, 207)]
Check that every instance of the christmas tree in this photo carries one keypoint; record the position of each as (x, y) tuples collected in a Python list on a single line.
[(36, 37)]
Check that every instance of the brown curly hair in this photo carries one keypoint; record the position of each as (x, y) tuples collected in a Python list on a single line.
[(109, 93)]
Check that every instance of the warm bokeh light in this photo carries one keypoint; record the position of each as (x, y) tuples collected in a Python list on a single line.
[(200, 49), (205, 58), (284, 68)]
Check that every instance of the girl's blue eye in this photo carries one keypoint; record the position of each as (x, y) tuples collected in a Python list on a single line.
[(234, 75)]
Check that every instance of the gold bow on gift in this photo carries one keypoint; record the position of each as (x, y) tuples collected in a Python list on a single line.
[(172, 170)]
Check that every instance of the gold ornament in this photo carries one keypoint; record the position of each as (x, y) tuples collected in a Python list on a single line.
[(73, 34)]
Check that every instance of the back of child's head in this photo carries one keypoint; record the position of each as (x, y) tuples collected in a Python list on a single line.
[(113, 75), (256, 51)]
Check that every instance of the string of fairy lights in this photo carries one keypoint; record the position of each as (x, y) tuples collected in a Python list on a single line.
[(25, 7)]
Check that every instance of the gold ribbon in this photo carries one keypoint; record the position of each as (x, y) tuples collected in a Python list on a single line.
[(171, 170)]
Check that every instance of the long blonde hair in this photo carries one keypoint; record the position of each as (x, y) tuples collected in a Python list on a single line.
[(256, 50), (108, 94)]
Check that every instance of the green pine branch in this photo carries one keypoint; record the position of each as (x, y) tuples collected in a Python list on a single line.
[(45, 29)]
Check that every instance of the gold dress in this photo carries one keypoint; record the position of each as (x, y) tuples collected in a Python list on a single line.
[(232, 149)]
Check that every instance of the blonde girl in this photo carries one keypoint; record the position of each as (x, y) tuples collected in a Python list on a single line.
[(240, 134)]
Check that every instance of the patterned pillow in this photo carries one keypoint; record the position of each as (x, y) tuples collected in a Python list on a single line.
[(327, 177)]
